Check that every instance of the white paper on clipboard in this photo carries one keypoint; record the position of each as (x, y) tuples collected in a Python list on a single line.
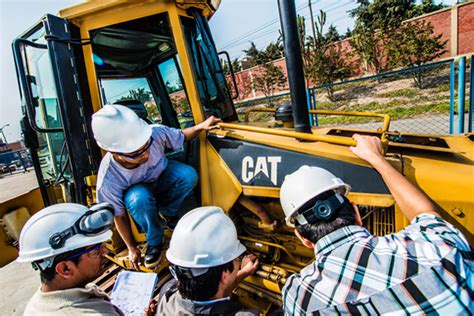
[(132, 291)]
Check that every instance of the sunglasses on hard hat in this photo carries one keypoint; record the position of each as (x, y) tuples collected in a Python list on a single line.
[(97, 220), (140, 151)]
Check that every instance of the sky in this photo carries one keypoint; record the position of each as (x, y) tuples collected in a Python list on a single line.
[(234, 25)]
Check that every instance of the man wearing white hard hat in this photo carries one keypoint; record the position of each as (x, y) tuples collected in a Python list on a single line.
[(64, 242), (427, 268), (204, 252), (135, 174)]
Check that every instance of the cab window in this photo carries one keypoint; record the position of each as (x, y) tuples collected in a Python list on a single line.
[(212, 86), (135, 93), (170, 72)]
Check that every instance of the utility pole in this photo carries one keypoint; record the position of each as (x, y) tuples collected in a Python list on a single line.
[(312, 23), (3, 134)]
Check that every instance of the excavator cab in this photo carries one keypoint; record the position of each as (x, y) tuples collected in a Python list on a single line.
[(70, 66), (157, 58)]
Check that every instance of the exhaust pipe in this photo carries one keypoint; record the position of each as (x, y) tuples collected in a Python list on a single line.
[(294, 65)]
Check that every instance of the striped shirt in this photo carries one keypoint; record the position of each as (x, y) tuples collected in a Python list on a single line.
[(427, 268)]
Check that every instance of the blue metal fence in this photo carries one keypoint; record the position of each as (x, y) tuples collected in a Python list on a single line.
[(471, 97), (454, 122), (461, 84), (452, 78)]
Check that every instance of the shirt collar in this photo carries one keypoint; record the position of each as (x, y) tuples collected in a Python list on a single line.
[(338, 238)]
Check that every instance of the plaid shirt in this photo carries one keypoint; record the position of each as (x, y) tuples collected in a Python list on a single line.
[(427, 268)]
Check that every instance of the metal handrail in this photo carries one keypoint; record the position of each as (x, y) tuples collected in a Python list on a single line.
[(303, 136), (338, 140), (386, 117)]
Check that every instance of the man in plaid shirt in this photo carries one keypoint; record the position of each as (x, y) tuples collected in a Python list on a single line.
[(427, 268)]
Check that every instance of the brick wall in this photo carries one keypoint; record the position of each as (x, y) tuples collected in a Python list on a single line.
[(442, 21), (466, 28)]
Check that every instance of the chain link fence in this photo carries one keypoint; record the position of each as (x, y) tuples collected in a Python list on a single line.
[(418, 100)]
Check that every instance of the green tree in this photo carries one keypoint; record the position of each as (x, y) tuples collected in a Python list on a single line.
[(273, 51), (178, 86), (236, 67), (306, 44), (348, 33), (332, 35), (139, 94), (378, 26), (375, 21), (413, 44), (427, 6), (325, 64), (253, 54), (269, 80)]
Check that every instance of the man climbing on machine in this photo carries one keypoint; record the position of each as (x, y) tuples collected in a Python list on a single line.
[(135, 175)]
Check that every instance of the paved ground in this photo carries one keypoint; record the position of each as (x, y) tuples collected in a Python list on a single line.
[(14, 296), (18, 281), (17, 184)]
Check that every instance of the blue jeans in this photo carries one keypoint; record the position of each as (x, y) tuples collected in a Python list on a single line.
[(165, 195)]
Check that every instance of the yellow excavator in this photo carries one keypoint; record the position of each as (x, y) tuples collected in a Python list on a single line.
[(96, 52)]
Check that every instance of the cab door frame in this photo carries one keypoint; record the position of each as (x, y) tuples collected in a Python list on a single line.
[(65, 52)]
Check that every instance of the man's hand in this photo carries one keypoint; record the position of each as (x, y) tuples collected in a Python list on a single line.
[(134, 257), (191, 132), (248, 266), (151, 309), (209, 124), (411, 200), (368, 148)]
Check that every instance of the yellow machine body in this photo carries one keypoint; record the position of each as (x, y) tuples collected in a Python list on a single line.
[(242, 164)]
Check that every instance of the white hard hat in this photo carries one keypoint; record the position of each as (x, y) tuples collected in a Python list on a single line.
[(118, 129), (64, 227), (205, 237), (305, 184)]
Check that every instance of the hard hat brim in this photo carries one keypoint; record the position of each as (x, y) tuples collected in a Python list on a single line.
[(74, 243)]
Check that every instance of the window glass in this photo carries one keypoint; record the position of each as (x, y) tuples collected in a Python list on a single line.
[(176, 92), (52, 152), (212, 86), (134, 93)]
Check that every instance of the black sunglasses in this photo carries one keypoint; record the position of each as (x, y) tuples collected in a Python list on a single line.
[(141, 152)]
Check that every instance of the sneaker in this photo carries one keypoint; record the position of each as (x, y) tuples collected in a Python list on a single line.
[(153, 256)]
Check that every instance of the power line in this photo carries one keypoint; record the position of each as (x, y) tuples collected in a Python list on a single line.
[(260, 44), (272, 31), (137, 86), (257, 29)]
